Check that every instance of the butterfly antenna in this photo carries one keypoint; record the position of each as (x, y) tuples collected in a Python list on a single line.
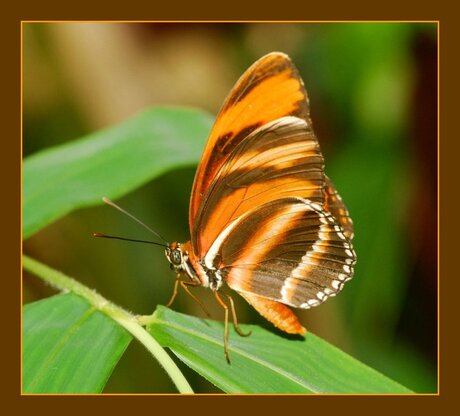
[(101, 235), (112, 204)]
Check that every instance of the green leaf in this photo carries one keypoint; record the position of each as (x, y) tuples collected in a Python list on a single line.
[(69, 346), (265, 362), (110, 163)]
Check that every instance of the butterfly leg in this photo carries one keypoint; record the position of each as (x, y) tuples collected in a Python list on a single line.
[(176, 284), (235, 320), (222, 303), (185, 285)]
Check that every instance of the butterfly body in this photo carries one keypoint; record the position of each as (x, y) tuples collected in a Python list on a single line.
[(264, 218)]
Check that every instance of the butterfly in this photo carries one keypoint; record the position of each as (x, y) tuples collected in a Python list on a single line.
[(265, 220)]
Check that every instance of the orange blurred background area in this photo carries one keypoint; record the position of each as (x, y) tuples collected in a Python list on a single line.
[(373, 97)]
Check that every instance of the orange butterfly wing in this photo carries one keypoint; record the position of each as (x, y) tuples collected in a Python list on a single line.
[(262, 212)]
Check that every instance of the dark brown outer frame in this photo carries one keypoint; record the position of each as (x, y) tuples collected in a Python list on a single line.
[(394, 10)]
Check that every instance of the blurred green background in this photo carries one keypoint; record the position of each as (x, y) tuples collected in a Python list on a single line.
[(373, 97)]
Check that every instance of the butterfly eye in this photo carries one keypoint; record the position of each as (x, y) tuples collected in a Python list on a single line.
[(176, 257)]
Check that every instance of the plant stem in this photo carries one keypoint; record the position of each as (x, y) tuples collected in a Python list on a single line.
[(122, 317)]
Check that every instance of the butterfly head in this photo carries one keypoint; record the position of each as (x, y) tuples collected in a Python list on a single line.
[(176, 257)]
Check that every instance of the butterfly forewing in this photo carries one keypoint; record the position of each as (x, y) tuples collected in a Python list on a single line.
[(270, 89)]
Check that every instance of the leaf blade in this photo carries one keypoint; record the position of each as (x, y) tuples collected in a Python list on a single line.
[(266, 362), (69, 346), (109, 163)]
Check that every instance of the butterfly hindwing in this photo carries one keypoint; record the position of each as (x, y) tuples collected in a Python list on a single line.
[(335, 205), (289, 250)]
